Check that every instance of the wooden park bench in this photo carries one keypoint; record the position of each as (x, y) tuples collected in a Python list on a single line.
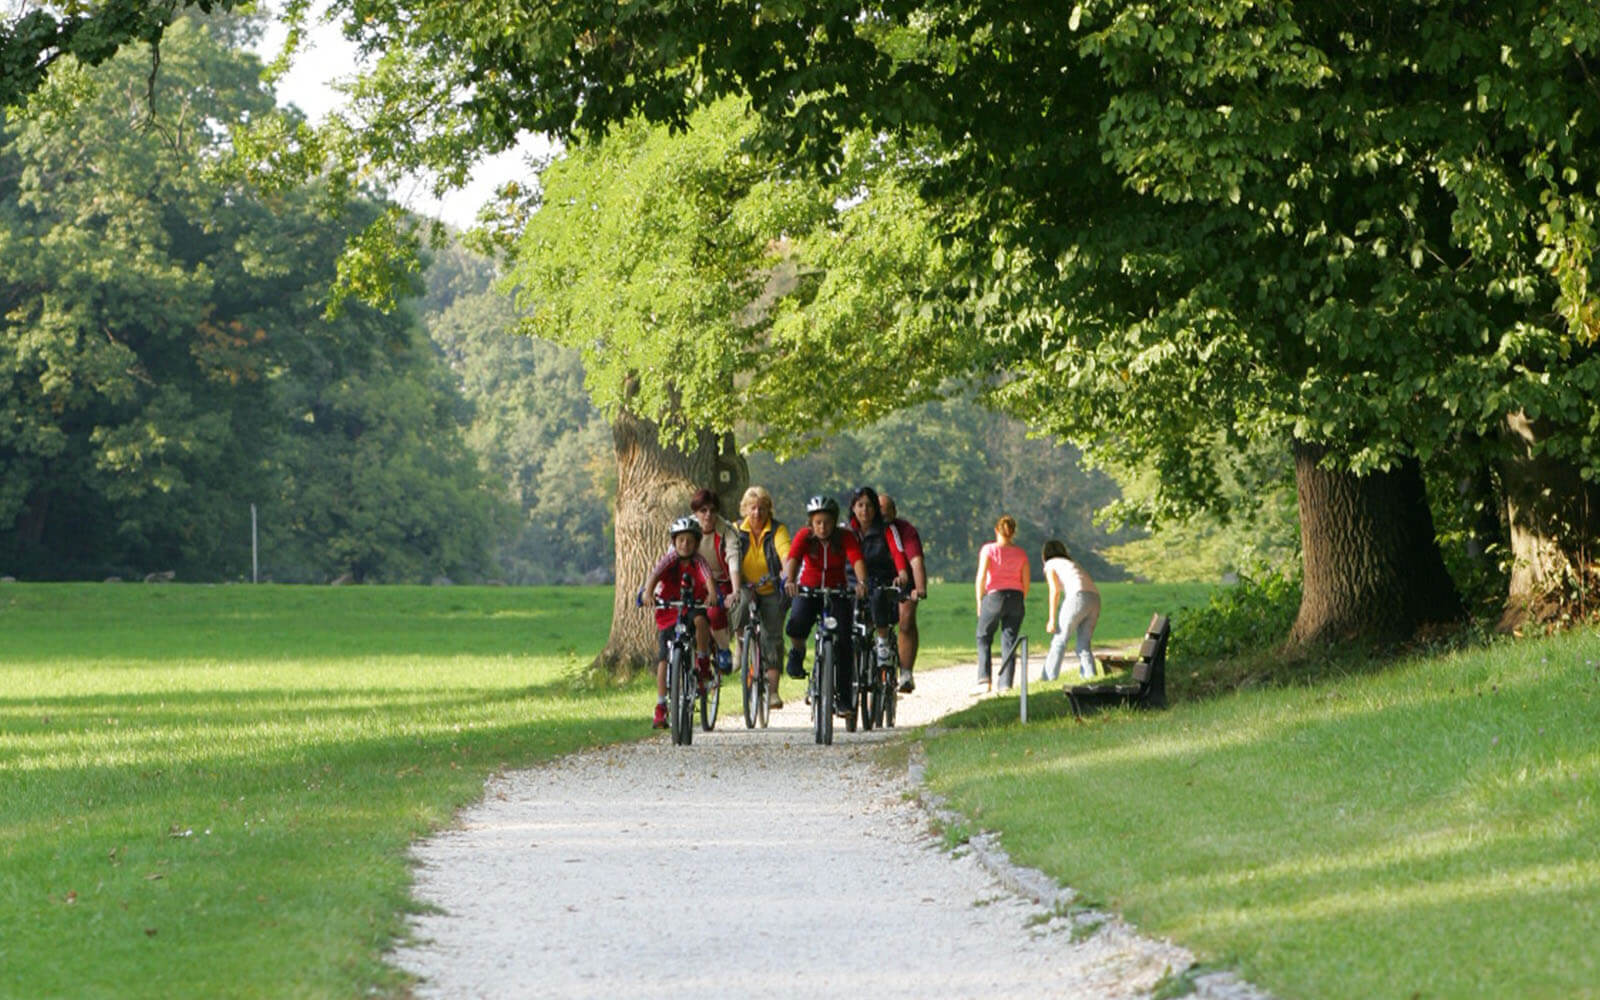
[(1149, 687)]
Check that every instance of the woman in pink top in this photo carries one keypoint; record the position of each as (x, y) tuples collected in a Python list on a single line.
[(1001, 590)]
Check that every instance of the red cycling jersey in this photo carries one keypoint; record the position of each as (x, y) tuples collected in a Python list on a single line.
[(669, 585), (822, 564), (906, 537)]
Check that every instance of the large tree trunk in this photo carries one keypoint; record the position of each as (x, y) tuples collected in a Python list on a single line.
[(1554, 517), (1372, 565), (654, 483)]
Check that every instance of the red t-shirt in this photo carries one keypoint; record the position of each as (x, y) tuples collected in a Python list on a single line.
[(670, 585), (1008, 566), (823, 564)]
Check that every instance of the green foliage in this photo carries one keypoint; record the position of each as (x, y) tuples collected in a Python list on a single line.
[(1364, 227), (954, 468), (532, 427), (1251, 615), (166, 359), (706, 289), (1254, 520)]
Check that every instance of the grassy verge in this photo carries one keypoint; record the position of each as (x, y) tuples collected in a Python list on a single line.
[(209, 791), (1426, 830)]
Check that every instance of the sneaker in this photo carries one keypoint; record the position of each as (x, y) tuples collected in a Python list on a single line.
[(883, 654), (661, 718), (774, 702), (907, 685), (724, 662), (796, 671)]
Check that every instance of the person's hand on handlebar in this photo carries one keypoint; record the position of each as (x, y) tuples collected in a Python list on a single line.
[(902, 578), (861, 589), (792, 587)]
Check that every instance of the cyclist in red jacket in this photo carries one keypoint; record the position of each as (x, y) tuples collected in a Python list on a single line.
[(911, 544), (681, 565), (887, 565), (818, 555)]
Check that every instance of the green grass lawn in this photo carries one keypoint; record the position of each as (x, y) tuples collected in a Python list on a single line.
[(1428, 830), (209, 791)]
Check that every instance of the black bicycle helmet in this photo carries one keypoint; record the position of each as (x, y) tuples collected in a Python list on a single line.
[(820, 504), (683, 524)]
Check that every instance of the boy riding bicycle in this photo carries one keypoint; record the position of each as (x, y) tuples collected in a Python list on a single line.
[(818, 555), (680, 567)]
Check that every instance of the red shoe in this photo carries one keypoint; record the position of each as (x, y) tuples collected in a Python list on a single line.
[(661, 718)]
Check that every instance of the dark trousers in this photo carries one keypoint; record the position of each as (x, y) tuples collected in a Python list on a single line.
[(1003, 609)]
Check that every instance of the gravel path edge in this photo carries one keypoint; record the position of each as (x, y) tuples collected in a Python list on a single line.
[(1031, 883)]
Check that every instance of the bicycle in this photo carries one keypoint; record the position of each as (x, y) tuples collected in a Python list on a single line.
[(753, 669), (861, 663), (825, 663), (876, 684), (681, 692)]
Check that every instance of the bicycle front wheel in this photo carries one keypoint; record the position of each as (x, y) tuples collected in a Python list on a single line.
[(823, 702), (710, 698), (749, 668), (677, 713)]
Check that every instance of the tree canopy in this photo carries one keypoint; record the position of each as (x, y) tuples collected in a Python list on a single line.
[(1364, 230), (166, 360)]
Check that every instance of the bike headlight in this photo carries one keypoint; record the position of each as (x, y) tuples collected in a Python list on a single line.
[(829, 622)]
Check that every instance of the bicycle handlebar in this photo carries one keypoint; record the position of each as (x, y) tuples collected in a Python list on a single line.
[(684, 603)]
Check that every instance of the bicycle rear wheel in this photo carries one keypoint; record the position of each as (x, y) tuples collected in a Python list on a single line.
[(749, 668), (855, 672), (764, 701), (874, 697), (865, 666), (710, 699)]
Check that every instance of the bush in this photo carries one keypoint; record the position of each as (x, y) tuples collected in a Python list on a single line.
[(1254, 614)]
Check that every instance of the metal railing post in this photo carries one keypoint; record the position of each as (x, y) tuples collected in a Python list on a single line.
[(1023, 664)]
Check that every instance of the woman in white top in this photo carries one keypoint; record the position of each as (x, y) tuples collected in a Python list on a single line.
[(1074, 610)]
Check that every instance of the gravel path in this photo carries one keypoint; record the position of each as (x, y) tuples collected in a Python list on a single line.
[(753, 863)]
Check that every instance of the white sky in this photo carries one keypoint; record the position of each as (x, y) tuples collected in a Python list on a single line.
[(325, 56)]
